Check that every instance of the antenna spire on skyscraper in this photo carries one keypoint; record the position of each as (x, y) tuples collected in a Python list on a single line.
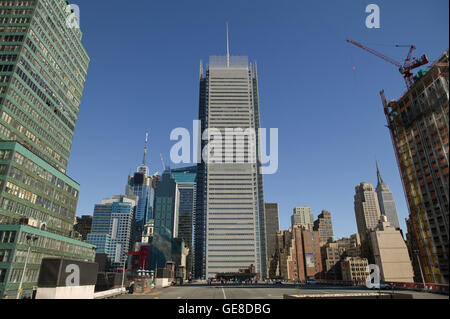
[(228, 49), (145, 149), (380, 179)]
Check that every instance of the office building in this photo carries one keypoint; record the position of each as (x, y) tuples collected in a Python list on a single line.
[(303, 216), (390, 253), (230, 201), (272, 228), (112, 228), (167, 200), (83, 226), (185, 179), (324, 226), (354, 269), (386, 201), (418, 122), (367, 209), (43, 67)]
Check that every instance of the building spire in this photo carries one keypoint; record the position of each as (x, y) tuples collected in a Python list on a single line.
[(380, 179), (145, 149), (228, 49)]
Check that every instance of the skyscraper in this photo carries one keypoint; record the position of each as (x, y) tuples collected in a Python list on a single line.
[(43, 67), (324, 226), (272, 228), (302, 216), (418, 123), (167, 200), (141, 184), (186, 187), (386, 201), (111, 228), (367, 209), (229, 217)]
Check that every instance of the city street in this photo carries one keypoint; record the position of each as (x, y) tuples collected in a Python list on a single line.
[(260, 291)]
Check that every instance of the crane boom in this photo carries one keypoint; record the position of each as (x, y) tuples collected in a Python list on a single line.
[(405, 68), (378, 54)]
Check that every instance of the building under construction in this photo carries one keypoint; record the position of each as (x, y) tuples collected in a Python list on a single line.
[(418, 123)]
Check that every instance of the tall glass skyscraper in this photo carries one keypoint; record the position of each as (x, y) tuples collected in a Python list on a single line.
[(229, 220), (186, 187), (112, 227), (166, 206)]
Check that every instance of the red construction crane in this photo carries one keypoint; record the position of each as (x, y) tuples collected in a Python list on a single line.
[(405, 68)]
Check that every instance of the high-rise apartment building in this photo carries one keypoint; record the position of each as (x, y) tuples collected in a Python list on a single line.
[(386, 201), (272, 228), (418, 123), (367, 209), (112, 228), (324, 226), (230, 202), (303, 216)]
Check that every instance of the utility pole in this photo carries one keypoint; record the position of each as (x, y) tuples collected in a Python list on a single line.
[(30, 239)]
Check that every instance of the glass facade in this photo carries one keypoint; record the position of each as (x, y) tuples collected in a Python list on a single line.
[(166, 206), (112, 227)]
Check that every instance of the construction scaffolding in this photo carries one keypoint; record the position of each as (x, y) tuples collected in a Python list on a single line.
[(418, 123)]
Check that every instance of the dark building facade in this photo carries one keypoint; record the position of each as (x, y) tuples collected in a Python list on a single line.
[(83, 226), (272, 228)]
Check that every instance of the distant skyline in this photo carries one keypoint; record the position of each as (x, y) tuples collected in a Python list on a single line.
[(321, 92)]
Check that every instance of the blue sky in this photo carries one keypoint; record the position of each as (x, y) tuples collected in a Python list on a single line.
[(321, 92)]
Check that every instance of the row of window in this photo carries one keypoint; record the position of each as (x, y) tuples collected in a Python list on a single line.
[(48, 90), (32, 121), (53, 120), (42, 187), (7, 237), (26, 211), (54, 78), (37, 200), (14, 20), (72, 42), (24, 130), (48, 46)]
